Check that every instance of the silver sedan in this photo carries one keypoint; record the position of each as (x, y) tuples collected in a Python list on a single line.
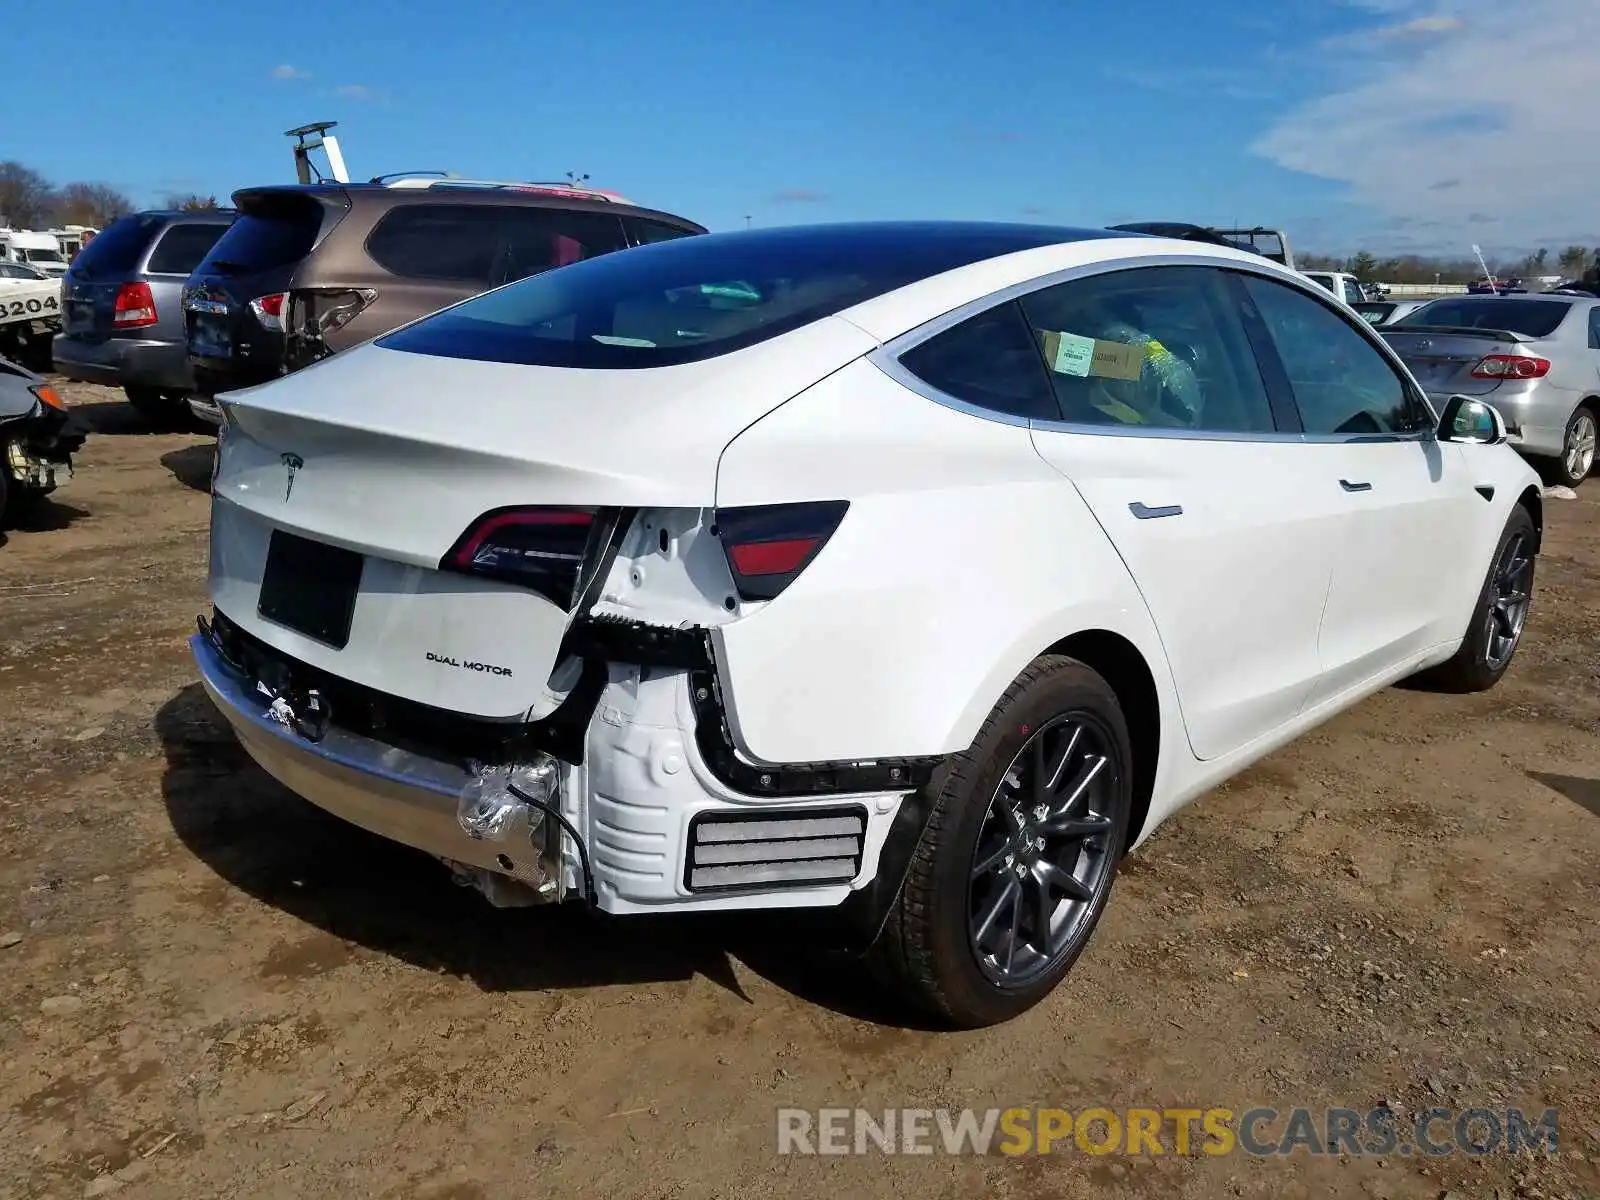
[(1535, 357)]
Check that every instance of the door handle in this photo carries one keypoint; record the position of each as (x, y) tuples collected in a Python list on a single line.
[(1145, 513), (1354, 487)]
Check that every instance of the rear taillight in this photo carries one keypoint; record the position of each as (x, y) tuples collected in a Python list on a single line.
[(1511, 366), (134, 307), (542, 549), (768, 545), (269, 309)]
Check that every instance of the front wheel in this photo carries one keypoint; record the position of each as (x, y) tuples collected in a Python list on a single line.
[(1499, 616), (1014, 869)]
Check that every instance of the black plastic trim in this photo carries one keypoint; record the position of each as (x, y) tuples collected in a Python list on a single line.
[(616, 639)]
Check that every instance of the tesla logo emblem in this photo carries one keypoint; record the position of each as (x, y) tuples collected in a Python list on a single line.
[(292, 464)]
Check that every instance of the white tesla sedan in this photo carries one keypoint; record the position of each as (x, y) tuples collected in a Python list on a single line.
[(910, 571)]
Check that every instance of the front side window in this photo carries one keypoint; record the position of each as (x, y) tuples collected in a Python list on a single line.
[(1152, 348), (989, 360), (1342, 383)]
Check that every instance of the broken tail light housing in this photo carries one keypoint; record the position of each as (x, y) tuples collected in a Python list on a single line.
[(542, 549), (312, 313), (768, 545), (1511, 366), (268, 310), (134, 307)]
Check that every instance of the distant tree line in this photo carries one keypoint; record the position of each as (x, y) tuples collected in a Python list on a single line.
[(1571, 263), (30, 201)]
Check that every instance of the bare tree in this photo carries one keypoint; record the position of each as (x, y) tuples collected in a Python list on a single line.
[(26, 197), (191, 202), (1572, 261), (92, 204)]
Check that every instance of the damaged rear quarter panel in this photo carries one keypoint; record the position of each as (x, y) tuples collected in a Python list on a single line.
[(963, 556)]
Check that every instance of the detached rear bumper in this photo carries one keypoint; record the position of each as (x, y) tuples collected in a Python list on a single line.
[(659, 830)]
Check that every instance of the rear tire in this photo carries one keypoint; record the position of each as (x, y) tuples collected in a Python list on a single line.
[(1499, 616), (166, 410), (1577, 448), (953, 945)]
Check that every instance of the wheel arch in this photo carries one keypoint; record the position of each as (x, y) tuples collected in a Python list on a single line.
[(1121, 664), (1532, 499)]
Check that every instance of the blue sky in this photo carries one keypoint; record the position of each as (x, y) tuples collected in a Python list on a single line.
[(1350, 123)]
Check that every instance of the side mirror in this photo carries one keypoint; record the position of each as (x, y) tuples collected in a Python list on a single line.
[(1473, 421)]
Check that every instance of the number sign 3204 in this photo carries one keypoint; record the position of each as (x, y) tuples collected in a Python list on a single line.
[(23, 308)]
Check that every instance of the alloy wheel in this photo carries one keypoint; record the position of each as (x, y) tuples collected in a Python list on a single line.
[(1510, 590), (1579, 456), (1044, 854)]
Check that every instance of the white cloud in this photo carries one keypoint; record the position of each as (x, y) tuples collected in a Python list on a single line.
[(285, 71), (353, 91), (1479, 118)]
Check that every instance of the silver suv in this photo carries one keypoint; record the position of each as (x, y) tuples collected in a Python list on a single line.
[(122, 309)]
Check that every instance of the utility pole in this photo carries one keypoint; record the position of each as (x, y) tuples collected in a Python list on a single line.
[(747, 221)]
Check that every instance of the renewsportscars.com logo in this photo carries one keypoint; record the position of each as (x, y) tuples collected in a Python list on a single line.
[(1261, 1132)]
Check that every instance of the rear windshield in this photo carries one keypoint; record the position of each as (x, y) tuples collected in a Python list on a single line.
[(117, 249), (271, 234), (1531, 318), (695, 298), (182, 248), (1374, 313)]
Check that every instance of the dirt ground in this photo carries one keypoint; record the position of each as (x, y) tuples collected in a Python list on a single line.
[(209, 988)]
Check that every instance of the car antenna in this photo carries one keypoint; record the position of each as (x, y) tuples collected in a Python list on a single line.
[(1488, 278), (327, 143)]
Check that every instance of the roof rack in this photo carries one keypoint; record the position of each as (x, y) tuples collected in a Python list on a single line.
[(443, 179)]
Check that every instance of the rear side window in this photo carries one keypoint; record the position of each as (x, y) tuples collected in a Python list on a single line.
[(117, 249), (1151, 348), (1352, 292), (540, 239), (278, 232), (1594, 328), (183, 247), (1531, 318), (1342, 383), (644, 231), (989, 360), (485, 244), (454, 242)]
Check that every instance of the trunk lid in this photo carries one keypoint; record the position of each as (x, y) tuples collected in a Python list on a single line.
[(1442, 357), (394, 455)]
